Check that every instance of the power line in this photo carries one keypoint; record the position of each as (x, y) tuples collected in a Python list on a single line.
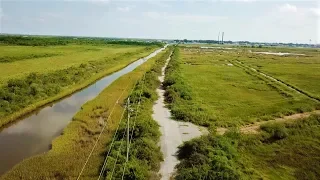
[(106, 159), (110, 148), (119, 150), (100, 133), (134, 123), (128, 128)]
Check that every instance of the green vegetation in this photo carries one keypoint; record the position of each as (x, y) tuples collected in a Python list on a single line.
[(210, 157), (216, 87), (203, 87), (301, 72), (67, 56), (30, 83), (280, 151), (30, 56), (209, 87), (286, 150), (11, 53), (145, 155), (70, 150), (53, 41)]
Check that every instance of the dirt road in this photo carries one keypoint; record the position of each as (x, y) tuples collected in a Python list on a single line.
[(173, 132), (254, 128)]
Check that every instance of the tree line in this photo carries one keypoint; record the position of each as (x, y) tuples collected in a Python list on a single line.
[(54, 41)]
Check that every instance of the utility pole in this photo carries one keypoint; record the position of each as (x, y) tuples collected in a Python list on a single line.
[(128, 121)]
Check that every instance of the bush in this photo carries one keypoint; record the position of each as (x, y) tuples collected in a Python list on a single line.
[(208, 157), (277, 131)]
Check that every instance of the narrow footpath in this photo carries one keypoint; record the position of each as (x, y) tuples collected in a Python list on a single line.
[(255, 127), (174, 133)]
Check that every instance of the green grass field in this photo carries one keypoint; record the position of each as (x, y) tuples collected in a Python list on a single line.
[(211, 87), (302, 72), (70, 150), (209, 90), (28, 59)]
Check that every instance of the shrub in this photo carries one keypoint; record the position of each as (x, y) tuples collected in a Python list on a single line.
[(208, 157), (277, 131)]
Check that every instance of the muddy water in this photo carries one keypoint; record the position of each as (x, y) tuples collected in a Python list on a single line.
[(174, 133), (33, 134)]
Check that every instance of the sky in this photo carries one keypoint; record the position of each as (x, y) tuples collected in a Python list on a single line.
[(296, 21)]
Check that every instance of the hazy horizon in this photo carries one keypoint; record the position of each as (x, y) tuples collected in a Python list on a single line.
[(242, 20)]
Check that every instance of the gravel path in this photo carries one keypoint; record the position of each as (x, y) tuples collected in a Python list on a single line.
[(174, 133)]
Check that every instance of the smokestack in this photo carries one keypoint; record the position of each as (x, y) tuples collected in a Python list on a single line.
[(219, 38), (222, 37)]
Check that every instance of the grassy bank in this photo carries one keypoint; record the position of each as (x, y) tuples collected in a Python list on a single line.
[(70, 150), (23, 95), (204, 88), (280, 151), (24, 60)]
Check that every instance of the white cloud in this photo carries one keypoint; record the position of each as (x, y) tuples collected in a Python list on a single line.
[(154, 15), (187, 18), (300, 11), (99, 1), (124, 9), (245, 1), (315, 11), (56, 15), (1, 12), (288, 8), (197, 18), (87, 0)]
